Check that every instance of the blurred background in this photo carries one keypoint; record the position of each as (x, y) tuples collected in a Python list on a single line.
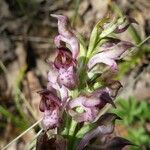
[(26, 42)]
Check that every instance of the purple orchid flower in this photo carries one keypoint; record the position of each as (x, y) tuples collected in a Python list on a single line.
[(104, 127), (91, 105), (63, 70), (66, 35), (110, 54), (50, 104)]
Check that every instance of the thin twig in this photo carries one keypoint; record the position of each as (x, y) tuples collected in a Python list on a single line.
[(140, 44), (18, 137), (30, 144), (145, 40)]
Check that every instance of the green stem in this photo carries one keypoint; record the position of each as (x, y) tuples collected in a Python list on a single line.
[(66, 127), (72, 134)]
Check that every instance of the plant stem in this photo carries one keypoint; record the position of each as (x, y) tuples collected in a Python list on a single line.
[(72, 134), (18, 137), (140, 44), (145, 40), (72, 128)]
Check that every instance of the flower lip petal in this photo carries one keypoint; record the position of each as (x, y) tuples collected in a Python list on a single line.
[(51, 119), (68, 77)]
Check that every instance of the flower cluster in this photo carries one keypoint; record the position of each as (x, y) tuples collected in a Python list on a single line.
[(82, 103)]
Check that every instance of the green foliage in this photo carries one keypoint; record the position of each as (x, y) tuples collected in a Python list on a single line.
[(140, 137), (135, 115)]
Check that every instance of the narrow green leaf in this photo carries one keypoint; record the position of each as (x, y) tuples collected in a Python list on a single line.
[(95, 34), (83, 45)]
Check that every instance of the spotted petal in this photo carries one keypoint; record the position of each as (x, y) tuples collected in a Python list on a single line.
[(67, 77), (51, 119)]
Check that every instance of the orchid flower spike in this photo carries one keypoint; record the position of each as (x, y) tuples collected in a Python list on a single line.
[(66, 35), (79, 94)]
